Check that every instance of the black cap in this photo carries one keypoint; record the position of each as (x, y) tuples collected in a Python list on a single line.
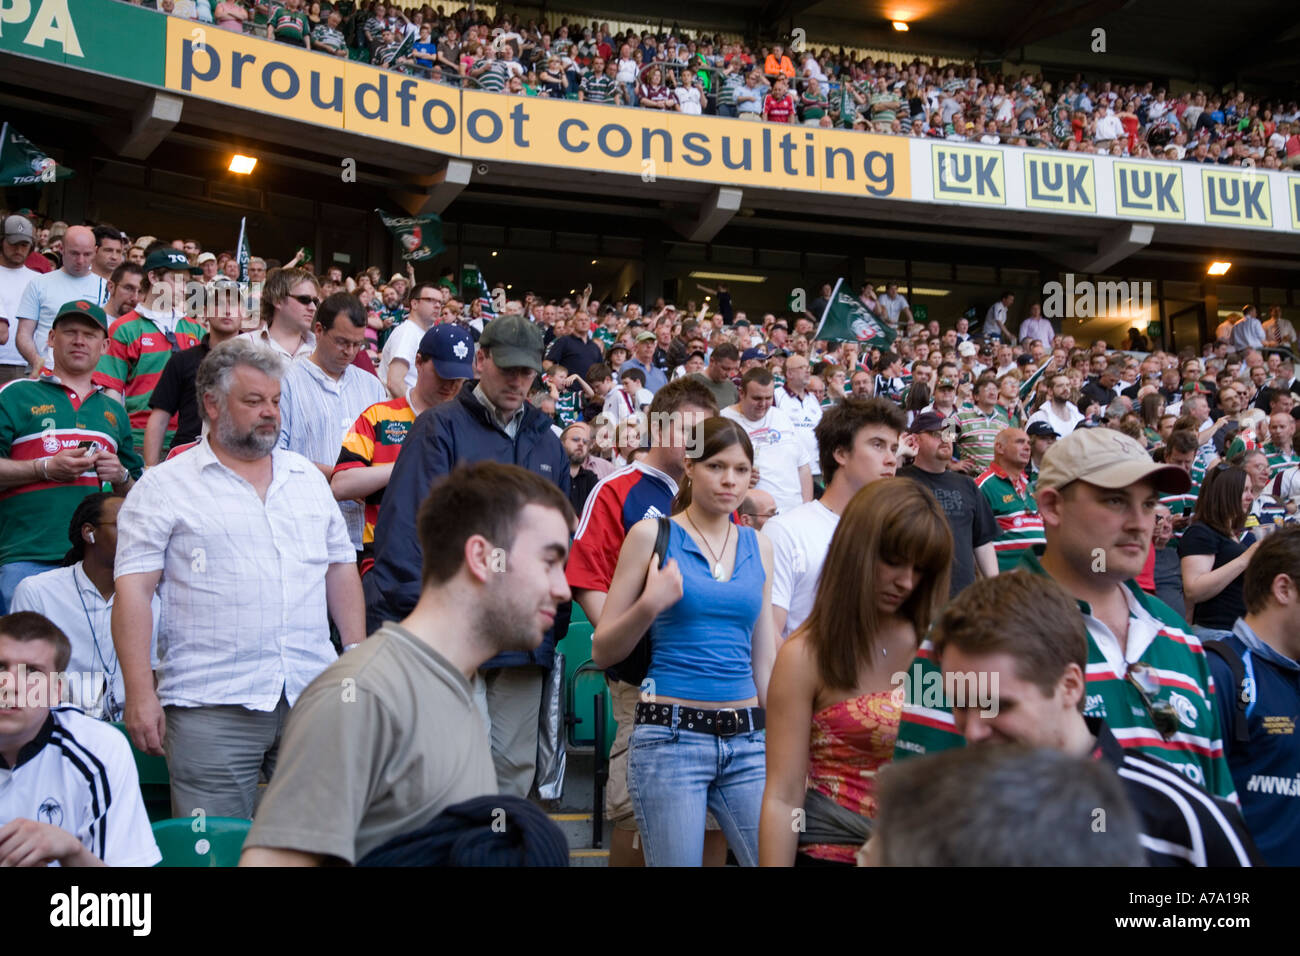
[(930, 422), (1041, 430)]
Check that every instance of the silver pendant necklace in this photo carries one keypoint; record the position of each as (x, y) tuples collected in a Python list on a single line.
[(718, 573)]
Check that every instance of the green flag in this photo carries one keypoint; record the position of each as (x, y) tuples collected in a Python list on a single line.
[(846, 319), (23, 163), (420, 236)]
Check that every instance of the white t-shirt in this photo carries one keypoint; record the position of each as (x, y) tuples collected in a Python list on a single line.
[(402, 344), (801, 538), (83, 780), (778, 454), (12, 284), (689, 98), (46, 294)]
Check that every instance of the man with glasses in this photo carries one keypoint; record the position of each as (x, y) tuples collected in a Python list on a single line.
[(323, 393), (490, 420), (1147, 675), (289, 300), (141, 343), (397, 363), (125, 286)]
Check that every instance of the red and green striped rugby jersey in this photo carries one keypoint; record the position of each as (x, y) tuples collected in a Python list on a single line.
[(1019, 525), (375, 439), (1174, 656), (133, 360), (38, 419)]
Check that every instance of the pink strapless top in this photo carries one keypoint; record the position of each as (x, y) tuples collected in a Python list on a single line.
[(850, 742)]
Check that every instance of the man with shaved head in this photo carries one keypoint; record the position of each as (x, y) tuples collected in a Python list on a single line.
[(1006, 488), (45, 294)]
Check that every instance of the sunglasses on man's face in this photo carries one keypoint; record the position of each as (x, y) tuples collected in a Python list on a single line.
[(311, 300)]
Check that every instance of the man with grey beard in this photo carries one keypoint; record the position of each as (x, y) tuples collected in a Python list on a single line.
[(247, 549)]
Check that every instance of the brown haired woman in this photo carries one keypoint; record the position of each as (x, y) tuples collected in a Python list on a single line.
[(833, 698), (1214, 552)]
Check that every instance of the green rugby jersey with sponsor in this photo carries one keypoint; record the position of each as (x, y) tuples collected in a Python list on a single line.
[(1278, 460), (1016, 512), (38, 419), (1174, 659), (138, 350)]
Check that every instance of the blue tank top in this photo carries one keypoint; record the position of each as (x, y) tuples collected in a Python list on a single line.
[(701, 647)]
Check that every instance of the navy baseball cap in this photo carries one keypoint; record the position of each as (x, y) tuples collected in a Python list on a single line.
[(750, 354), (452, 350), (1041, 430)]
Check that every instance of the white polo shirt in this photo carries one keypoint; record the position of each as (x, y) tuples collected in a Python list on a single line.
[(805, 413), (778, 454), (78, 774)]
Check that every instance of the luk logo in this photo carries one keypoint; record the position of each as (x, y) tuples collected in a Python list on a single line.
[(1087, 300), (1148, 192), (965, 174), (1060, 182), (1236, 198)]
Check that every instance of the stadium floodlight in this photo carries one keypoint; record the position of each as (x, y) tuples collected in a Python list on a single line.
[(727, 277), (242, 164), (901, 26), (1218, 268)]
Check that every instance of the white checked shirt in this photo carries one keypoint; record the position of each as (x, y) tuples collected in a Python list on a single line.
[(316, 414), (243, 581)]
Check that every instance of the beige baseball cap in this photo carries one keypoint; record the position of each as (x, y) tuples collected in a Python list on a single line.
[(1108, 459)]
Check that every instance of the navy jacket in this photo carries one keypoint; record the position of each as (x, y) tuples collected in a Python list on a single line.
[(456, 432)]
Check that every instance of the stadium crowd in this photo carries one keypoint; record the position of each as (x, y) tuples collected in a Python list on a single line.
[(714, 75), (211, 493)]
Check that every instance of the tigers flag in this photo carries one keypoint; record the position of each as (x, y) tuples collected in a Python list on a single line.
[(846, 319), (419, 236)]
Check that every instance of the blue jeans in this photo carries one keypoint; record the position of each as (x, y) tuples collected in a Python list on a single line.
[(675, 776), (14, 572)]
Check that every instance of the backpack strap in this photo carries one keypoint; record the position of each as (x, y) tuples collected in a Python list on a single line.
[(661, 540), (1244, 695)]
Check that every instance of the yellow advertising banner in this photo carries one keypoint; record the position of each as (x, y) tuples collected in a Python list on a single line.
[(282, 80), (969, 174), (1149, 190), (1236, 197), (1059, 181), (1293, 194), (650, 144)]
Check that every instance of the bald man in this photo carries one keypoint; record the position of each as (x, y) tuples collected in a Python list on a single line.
[(1006, 488), (45, 294), (757, 508)]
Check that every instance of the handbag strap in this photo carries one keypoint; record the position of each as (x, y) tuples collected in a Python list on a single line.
[(661, 540)]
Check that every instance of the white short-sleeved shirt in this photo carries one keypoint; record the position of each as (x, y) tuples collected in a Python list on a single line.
[(778, 454), (801, 538), (13, 282), (70, 600), (78, 774), (46, 294), (893, 306), (402, 344), (805, 414), (243, 581)]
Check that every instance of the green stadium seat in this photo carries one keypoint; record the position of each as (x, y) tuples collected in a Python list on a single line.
[(155, 781), (217, 845)]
